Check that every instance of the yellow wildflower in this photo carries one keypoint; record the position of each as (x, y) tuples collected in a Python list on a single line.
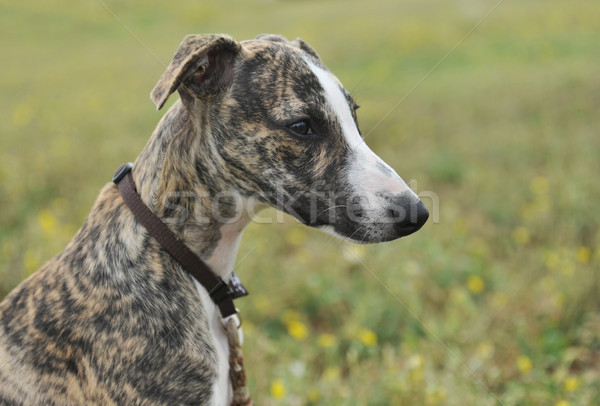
[(562, 403), (278, 389), (31, 262), (458, 295), (249, 328), (326, 340), (558, 299), (314, 395), (584, 254), (485, 349), (436, 397), (353, 252), (568, 268), (296, 236), (331, 374), (475, 284), (460, 226), (261, 302), (416, 361), (304, 256), (297, 329), (540, 185), (521, 235), (47, 222), (552, 260), (524, 364), (367, 337), (416, 364), (571, 384)]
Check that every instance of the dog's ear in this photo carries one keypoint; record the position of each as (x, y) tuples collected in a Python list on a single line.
[(203, 65), (298, 42), (272, 38)]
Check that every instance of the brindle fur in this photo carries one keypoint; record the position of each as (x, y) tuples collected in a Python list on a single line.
[(113, 319)]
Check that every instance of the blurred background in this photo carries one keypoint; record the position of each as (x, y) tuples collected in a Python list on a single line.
[(495, 301)]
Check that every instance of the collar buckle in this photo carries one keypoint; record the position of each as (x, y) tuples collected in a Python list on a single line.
[(122, 171), (236, 288)]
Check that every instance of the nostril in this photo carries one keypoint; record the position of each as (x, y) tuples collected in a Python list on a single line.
[(408, 213), (397, 213)]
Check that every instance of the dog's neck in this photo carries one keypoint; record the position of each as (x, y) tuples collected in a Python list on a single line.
[(179, 176)]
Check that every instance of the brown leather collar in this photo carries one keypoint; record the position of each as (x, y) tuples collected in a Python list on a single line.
[(221, 293)]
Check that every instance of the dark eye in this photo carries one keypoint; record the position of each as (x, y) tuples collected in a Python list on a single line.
[(301, 128)]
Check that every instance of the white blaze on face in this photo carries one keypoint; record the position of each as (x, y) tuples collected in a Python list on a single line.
[(368, 174)]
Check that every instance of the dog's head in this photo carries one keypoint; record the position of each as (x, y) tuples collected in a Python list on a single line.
[(286, 130)]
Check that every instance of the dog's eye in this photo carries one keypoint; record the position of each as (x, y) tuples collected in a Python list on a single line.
[(301, 128)]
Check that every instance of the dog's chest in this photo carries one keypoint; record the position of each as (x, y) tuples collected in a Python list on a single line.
[(222, 391)]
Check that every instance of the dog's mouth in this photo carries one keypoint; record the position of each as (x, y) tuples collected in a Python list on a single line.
[(377, 228), (353, 219)]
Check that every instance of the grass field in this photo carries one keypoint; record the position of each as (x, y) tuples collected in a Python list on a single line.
[(496, 302)]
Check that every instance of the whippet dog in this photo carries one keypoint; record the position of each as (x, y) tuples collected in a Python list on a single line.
[(114, 319)]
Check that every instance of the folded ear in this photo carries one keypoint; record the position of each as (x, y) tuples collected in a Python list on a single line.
[(203, 64), (272, 38), (298, 42)]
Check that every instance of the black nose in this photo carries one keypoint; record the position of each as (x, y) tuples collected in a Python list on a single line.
[(407, 213)]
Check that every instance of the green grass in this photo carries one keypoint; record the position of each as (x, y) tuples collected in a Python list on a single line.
[(497, 301)]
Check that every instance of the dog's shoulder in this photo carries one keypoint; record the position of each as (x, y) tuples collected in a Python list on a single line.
[(106, 322)]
